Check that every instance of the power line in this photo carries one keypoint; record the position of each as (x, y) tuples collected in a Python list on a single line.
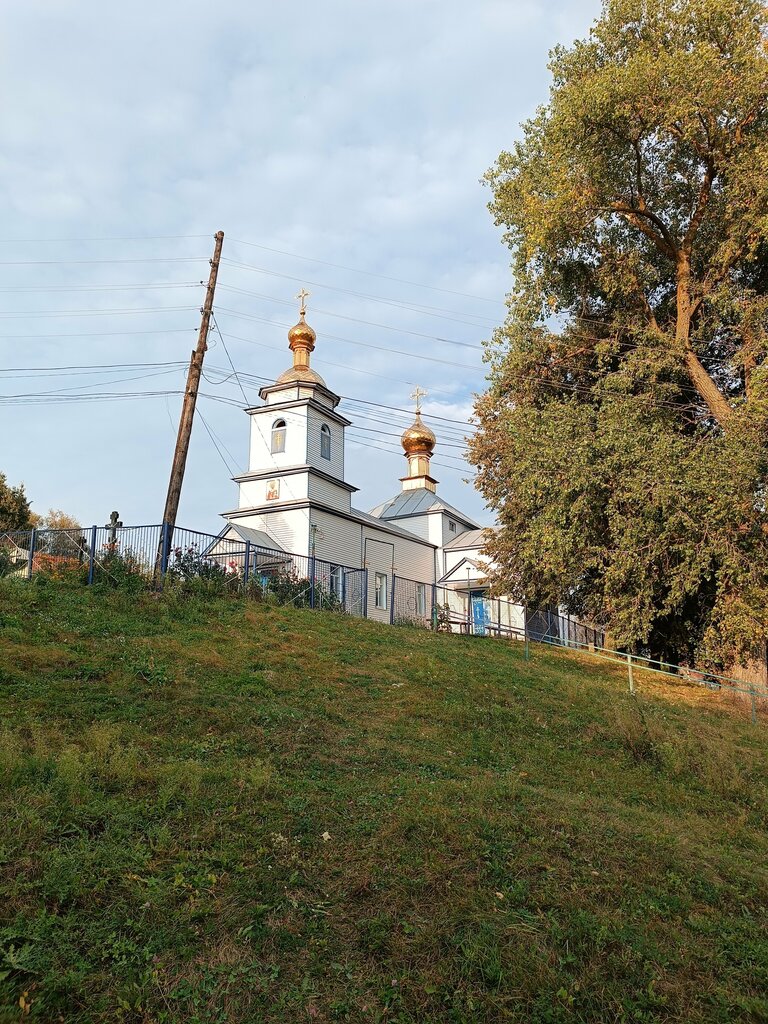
[(349, 341), (34, 314), (101, 238), (367, 273), (101, 287), (342, 291), (56, 263), (215, 445), (229, 357), (357, 320)]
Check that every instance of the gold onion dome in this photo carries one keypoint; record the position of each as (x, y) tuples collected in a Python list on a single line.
[(301, 341), (301, 335), (418, 438)]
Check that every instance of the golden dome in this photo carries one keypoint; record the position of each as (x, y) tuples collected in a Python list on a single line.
[(301, 335), (300, 374), (418, 438)]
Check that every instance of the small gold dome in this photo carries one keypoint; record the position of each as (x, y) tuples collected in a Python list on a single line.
[(418, 438), (301, 335)]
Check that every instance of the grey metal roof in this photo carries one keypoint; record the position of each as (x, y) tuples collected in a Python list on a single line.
[(380, 524), (417, 502), (256, 537), (468, 539)]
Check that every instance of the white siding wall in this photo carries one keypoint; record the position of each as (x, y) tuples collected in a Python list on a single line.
[(329, 494), (253, 493), (418, 525), (335, 465), (337, 539), (290, 528), (262, 458), (379, 557)]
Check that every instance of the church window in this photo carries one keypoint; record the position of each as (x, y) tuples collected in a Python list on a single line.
[(421, 599), (381, 590), (278, 436), (325, 441), (451, 526)]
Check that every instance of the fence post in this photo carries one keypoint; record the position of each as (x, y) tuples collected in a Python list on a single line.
[(365, 595), (92, 555), (434, 616), (312, 582), (525, 631), (629, 670), (392, 602), (166, 549), (247, 566), (31, 555)]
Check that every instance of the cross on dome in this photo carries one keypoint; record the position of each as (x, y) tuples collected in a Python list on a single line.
[(302, 297), (417, 394)]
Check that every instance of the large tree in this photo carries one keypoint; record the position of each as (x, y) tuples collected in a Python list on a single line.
[(15, 513), (623, 438)]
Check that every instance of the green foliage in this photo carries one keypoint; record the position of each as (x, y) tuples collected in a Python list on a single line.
[(623, 440), (219, 811), (15, 511)]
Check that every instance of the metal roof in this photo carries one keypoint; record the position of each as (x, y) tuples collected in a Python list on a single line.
[(468, 539), (417, 502), (256, 537)]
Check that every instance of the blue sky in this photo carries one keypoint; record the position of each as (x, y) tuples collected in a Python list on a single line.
[(339, 146)]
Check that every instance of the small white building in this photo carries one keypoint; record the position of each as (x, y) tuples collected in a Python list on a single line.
[(295, 498)]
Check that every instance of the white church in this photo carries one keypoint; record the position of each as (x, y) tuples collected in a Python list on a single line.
[(295, 497)]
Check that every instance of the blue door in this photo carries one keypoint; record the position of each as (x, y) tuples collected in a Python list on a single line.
[(481, 613)]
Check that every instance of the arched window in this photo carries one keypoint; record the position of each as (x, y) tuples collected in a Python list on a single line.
[(325, 441), (278, 436)]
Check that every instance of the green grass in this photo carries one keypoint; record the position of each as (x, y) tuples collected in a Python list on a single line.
[(219, 812)]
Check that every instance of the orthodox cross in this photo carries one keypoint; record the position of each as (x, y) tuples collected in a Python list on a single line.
[(417, 396), (113, 526), (302, 297)]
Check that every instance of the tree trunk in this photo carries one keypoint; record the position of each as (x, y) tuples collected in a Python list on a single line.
[(706, 387)]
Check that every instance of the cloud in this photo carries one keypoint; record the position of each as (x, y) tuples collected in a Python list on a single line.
[(355, 134)]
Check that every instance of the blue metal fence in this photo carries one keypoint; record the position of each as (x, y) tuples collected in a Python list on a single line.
[(158, 556)]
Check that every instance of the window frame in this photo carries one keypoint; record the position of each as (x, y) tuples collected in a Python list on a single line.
[(451, 526), (325, 442), (382, 592), (421, 598), (277, 427), (336, 581)]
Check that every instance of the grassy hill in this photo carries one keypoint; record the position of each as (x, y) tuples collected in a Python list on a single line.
[(219, 812)]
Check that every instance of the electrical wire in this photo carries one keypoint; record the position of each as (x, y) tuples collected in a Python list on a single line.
[(403, 307), (367, 273), (344, 291)]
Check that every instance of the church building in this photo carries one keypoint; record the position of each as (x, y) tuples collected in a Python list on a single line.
[(295, 496)]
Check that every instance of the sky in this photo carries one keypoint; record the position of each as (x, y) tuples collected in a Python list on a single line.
[(340, 147)]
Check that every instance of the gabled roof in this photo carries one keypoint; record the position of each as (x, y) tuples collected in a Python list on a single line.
[(458, 574), (257, 537), (468, 539), (418, 502)]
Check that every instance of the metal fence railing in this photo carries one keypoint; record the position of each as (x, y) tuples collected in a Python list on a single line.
[(157, 554), (154, 555), (474, 612)]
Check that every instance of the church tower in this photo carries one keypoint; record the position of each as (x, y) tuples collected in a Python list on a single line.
[(296, 449), (418, 442)]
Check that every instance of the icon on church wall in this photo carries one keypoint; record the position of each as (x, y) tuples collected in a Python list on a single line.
[(273, 490)]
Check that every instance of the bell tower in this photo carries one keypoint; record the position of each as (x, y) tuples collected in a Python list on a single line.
[(418, 441)]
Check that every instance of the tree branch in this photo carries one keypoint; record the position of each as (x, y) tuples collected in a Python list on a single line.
[(638, 218)]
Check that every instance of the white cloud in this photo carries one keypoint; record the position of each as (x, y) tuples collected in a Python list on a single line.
[(352, 133)]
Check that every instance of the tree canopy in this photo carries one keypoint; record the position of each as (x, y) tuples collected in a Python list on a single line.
[(15, 512), (623, 439)]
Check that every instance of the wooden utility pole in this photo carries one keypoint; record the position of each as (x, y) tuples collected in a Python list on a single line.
[(190, 396)]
